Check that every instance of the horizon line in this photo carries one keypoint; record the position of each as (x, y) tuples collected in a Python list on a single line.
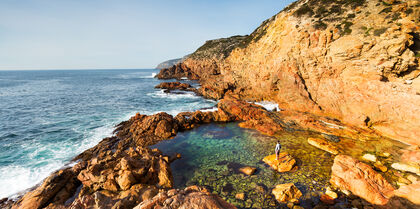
[(36, 69)]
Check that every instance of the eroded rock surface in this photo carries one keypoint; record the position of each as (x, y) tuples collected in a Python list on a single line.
[(360, 179), (193, 197), (357, 61)]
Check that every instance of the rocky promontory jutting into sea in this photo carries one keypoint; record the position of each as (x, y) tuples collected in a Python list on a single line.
[(344, 76)]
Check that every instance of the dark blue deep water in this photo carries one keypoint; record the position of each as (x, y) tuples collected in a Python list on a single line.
[(48, 117)]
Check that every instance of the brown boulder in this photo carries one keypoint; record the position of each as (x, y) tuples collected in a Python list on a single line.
[(286, 192), (53, 187), (248, 170), (359, 178), (192, 197), (323, 144), (285, 162), (173, 86)]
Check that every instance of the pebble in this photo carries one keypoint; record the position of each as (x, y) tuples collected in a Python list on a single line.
[(380, 166), (240, 196), (331, 193)]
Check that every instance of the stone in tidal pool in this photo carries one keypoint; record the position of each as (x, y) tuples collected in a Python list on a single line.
[(240, 196), (413, 168), (324, 145), (248, 170), (285, 163), (286, 192), (369, 157)]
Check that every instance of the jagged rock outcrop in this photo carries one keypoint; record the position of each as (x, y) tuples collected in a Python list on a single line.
[(357, 61), (120, 171), (192, 197), (169, 86)]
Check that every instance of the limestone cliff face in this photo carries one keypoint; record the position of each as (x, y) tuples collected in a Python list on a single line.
[(357, 61)]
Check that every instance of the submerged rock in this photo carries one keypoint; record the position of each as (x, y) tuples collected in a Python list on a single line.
[(240, 196), (369, 157), (359, 178), (413, 168), (286, 192), (248, 170), (324, 145), (285, 162)]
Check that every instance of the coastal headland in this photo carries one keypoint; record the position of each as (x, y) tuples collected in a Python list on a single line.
[(345, 70)]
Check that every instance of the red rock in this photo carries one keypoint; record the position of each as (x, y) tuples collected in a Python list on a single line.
[(327, 199), (192, 197), (248, 170), (285, 163), (359, 178), (173, 85), (49, 189), (410, 192), (285, 192)]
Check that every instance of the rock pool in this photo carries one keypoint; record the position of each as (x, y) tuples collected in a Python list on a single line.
[(213, 153)]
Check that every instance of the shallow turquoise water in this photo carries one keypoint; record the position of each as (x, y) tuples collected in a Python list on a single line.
[(213, 153), (48, 117)]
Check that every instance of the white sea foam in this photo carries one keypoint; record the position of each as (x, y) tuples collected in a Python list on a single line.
[(212, 109), (162, 94), (149, 76), (17, 178), (268, 105), (135, 75)]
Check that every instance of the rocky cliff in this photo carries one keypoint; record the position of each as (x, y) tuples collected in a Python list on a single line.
[(356, 61), (168, 63)]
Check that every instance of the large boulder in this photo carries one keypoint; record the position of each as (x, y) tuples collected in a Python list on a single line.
[(285, 162), (286, 192), (410, 192), (192, 197), (360, 179)]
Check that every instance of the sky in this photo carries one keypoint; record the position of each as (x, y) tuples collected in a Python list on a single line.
[(119, 34)]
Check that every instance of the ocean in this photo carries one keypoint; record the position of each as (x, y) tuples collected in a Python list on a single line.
[(49, 116)]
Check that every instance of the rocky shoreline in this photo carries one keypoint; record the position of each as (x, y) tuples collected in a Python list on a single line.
[(342, 71), (122, 172)]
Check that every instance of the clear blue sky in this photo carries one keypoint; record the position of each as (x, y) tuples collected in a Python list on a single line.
[(92, 34)]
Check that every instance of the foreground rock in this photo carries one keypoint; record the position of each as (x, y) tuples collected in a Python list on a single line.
[(286, 192), (192, 197), (120, 171), (410, 192), (285, 162), (360, 179), (324, 145)]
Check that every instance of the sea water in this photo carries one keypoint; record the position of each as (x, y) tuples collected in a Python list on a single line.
[(48, 117)]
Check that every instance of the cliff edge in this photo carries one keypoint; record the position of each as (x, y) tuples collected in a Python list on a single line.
[(357, 61)]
